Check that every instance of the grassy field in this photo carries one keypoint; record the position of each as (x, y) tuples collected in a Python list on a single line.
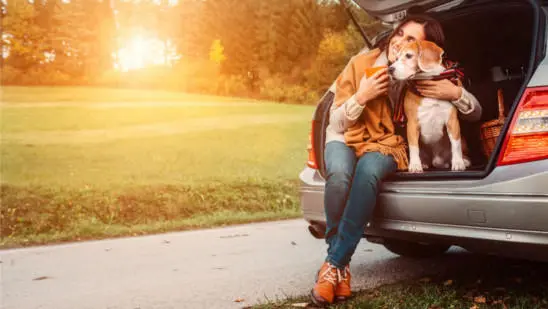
[(81, 163), (77, 95)]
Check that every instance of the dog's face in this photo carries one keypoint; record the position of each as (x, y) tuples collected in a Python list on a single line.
[(416, 57)]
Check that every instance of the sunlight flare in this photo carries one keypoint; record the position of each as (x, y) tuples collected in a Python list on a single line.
[(140, 52)]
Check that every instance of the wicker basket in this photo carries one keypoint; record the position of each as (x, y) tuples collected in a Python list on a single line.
[(490, 130)]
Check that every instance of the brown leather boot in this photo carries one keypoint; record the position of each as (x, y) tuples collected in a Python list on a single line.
[(323, 292), (343, 291)]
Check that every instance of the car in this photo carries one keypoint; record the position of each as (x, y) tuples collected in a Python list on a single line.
[(500, 204)]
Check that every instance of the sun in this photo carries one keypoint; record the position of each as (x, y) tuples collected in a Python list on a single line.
[(141, 51)]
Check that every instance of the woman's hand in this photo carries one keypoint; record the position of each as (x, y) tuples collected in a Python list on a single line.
[(372, 87), (440, 89)]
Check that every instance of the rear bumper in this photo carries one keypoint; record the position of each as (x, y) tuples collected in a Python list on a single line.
[(507, 208)]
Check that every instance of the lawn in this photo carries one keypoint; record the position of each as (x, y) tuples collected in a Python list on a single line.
[(80, 163), (78, 95)]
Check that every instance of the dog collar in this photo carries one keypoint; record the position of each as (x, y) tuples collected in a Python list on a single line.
[(453, 74), (450, 73)]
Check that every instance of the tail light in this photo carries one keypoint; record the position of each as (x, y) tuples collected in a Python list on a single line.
[(527, 138), (311, 150)]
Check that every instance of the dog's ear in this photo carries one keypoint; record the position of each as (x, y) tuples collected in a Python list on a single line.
[(429, 55)]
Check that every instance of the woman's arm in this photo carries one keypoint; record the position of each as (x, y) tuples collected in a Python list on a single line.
[(468, 106), (345, 116), (466, 103)]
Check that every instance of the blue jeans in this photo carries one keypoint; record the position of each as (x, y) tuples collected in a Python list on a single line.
[(351, 190)]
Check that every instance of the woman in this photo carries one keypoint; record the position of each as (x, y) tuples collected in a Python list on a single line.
[(362, 147)]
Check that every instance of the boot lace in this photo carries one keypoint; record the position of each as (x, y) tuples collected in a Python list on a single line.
[(331, 276)]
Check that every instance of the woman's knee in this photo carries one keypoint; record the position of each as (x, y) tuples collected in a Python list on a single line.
[(374, 167), (340, 176), (340, 168)]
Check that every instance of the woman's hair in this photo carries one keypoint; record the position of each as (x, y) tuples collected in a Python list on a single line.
[(433, 30)]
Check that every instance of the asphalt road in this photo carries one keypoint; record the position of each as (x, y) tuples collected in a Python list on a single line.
[(229, 267)]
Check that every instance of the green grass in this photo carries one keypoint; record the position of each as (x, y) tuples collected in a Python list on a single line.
[(16, 94), (492, 283), (34, 215), (86, 171), (62, 117)]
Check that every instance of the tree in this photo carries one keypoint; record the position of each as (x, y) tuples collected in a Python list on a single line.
[(23, 38), (216, 53), (103, 36)]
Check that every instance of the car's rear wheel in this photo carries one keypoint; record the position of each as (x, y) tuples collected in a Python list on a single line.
[(414, 249)]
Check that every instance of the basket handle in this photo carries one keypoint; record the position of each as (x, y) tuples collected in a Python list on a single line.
[(500, 98)]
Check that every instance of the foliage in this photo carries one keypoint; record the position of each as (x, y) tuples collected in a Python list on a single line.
[(300, 45)]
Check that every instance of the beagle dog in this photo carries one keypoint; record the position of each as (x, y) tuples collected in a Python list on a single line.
[(427, 117)]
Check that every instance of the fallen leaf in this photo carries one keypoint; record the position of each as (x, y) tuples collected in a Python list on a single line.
[(235, 235), (41, 278), (480, 299), (293, 243), (425, 280), (469, 295), (474, 307), (498, 302), (448, 282), (166, 241), (299, 305), (238, 300)]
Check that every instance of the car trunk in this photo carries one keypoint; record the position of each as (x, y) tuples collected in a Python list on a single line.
[(498, 44)]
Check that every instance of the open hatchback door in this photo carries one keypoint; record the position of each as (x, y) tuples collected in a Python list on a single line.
[(393, 11)]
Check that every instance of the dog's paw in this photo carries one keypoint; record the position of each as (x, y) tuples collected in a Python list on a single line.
[(415, 167), (467, 162), (458, 165), (438, 162)]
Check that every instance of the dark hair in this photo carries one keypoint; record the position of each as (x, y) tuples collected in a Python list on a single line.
[(433, 30)]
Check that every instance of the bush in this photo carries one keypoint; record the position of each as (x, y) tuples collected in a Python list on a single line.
[(109, 78), (275, 89), (39, 75), (233, 85), (272, 88), (10, 75)]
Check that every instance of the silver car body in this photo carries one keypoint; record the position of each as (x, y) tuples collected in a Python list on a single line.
[(504, 213)]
